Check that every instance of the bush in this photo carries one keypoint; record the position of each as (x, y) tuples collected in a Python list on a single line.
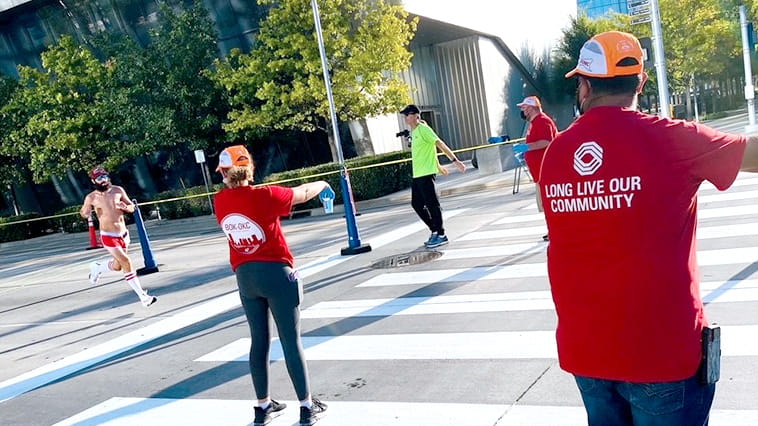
[(190, 207), (22, 231), (72, 223), (366, 183)]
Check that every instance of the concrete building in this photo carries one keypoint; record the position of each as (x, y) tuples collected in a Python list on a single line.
[(472, 63), (597, 8)]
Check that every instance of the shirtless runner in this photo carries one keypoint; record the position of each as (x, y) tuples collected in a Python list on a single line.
[(109, 203)]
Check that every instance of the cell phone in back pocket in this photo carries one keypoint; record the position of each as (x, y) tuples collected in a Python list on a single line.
[(710, 366)]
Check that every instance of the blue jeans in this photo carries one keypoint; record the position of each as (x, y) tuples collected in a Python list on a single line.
[(611, 403)]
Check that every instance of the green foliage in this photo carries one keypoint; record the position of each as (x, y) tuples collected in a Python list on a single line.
[(366, 184), (12, 162), (279, 85), (700, 39), (704, 52), (190, 207), (73, 222), (22, 231), (112, 100), (579, 30)]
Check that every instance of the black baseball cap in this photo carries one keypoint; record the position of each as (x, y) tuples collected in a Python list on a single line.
[(410, 109)]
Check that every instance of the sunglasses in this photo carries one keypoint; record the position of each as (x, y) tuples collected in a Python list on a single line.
[(102, 179)]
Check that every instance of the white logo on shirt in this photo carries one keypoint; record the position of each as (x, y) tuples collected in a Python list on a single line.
[(244, 235), (588, 158)]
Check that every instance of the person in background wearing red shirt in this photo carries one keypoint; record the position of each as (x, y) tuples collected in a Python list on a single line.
[(620, 194), (266, 278), (542, 131)]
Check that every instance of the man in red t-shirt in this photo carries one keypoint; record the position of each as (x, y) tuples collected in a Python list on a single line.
[(620, 194), (541, 131)]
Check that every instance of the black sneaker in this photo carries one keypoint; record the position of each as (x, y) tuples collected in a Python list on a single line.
[(263, 417), (309, 416)]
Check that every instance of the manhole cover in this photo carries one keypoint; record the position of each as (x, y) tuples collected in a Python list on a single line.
[(405, 259)]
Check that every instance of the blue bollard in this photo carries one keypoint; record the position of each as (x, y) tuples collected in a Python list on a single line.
[(353, 238), (144, 241)]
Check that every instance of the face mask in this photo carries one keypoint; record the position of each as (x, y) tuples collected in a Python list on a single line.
[(523, 116)]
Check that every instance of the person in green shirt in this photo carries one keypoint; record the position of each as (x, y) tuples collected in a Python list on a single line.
[(424, 144)]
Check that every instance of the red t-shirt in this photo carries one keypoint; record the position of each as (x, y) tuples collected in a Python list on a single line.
[(249, 216), (619, 189), (541, 127)]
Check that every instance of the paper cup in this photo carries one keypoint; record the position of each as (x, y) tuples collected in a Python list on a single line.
[(328, 205)]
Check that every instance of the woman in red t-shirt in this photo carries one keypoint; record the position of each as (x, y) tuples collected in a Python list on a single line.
[(266, 278)]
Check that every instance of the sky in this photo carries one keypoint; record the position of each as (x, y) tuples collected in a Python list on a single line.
[(536, 23)]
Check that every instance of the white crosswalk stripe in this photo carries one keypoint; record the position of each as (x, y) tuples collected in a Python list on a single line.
[(494, 255)]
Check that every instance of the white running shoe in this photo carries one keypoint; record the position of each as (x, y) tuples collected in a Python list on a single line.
[(94, 273), (149, 300)]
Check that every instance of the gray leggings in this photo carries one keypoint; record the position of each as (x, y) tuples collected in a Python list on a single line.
[(275, 286)]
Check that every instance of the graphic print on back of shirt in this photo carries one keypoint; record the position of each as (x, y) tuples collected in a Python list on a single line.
[(591, 194), (244, 235)]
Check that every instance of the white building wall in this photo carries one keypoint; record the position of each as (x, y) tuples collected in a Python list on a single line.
[(534, 25), (9, 4), (496, 72), (382, 130)]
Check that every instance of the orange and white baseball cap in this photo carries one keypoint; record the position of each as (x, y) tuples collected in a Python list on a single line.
[(609, 54), (531, 101), (236, 155)]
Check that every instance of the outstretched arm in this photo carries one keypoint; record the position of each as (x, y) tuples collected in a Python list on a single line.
[(540, 144), (307, 191), (451, 155)]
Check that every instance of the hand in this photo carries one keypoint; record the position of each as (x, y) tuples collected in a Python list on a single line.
[(520, 148), (443, 171), (327, 192), (122, 206), (460, 166)]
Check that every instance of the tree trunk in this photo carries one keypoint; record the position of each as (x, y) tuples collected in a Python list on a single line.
[(688, 101), (143, 177), (361, 137), (65, 192), (26, 199), (333, 147)]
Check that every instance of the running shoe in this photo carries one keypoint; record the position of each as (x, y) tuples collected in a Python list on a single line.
[(309, 416), (149, 300), (263, 417), (439, 240), (94, 273)]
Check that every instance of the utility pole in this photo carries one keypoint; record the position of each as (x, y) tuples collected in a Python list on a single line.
[(660, 61), (749, 88), (354, 239)]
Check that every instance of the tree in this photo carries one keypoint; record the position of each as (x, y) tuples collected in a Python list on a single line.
[(11, 161), (703, 52), (112, 100), (579, 30), (75, 116), (280, 86), (172, 72)]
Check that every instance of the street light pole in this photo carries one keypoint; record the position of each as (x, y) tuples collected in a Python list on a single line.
[(660, 61), (749, 88), (354, 239)]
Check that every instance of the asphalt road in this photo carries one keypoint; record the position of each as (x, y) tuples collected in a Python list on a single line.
[(464, 339)]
